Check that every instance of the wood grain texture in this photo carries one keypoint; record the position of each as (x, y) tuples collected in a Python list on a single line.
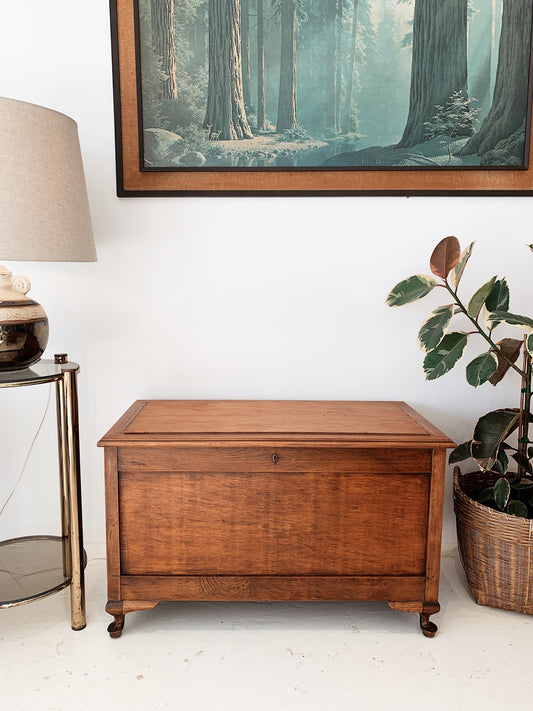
[(273, 500), (160, 422), (436, 504), (112, 523), (274, 588), (261, 459), (275, 417), (296, 524)]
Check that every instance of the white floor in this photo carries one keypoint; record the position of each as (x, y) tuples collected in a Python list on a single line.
[(255, 656)]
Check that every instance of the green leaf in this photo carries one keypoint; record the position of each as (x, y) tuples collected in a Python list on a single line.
[(442, 358), (517, 508), (411, 289), (522, 484), (523, 461), (498, 298), (497, 467), (479, 298), (529, 344), (457, 273), (445, 257), (434, 327), (486, 495), (502, 492), (530, 247), (490, 432), (481, 368), (460, 453), (523, 322), (503, 459), (510, 348)]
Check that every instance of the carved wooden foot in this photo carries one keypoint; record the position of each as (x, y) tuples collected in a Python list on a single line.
[(116, 627), (115, 608), (119, 609), (424, 609), (428, 628)]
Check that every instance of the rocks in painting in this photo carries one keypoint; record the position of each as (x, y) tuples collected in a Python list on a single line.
[(192, 159), (164, 149), (161, 147)]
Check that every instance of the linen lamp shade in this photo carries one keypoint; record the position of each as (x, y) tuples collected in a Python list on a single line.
[(44, 216)]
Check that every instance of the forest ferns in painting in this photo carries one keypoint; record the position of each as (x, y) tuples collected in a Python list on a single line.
[(334, 83)]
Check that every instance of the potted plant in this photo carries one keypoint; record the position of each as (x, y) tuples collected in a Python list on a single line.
[(493, 506)]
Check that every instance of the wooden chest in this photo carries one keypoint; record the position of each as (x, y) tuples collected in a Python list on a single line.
[(273, 500)]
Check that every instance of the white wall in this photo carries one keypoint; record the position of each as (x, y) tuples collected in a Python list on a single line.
[(226, 298)]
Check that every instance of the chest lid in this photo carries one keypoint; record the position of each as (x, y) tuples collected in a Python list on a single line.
[(250, 421)]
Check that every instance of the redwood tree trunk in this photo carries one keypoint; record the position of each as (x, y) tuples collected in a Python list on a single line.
[(509, 105), (163, 42), (225, 116), (439, 64), (330, 107), (245, 50), (261, 119), (287, 80), (351, 71), (340, 11)]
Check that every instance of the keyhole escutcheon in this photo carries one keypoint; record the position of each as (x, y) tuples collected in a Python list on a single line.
[(275, 458)]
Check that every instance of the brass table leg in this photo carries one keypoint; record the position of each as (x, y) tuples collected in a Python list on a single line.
[(69, 466), (64, 487)]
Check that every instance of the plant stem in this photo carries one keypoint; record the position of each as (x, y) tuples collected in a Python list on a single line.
[(479, 330), (525, 409)]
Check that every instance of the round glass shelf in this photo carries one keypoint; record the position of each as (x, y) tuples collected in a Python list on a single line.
[(31, 568), (44, 371)]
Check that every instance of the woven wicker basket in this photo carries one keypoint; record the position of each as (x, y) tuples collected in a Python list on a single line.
[(496, 549)]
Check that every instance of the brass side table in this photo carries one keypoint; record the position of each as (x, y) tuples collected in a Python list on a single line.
[(34, 567)]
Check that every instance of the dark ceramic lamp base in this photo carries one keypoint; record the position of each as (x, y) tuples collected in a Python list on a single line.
[(23, 324), (22, 344)]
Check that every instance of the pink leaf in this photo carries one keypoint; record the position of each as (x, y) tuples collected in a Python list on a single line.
[(445, 256)]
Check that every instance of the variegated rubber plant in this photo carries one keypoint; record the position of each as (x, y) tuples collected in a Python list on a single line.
[(487, 309)]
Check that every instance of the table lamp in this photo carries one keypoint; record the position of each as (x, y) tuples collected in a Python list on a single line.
[(44, 216)]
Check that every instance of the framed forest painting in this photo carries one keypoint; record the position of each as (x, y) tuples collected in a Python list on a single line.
[(323, 97)]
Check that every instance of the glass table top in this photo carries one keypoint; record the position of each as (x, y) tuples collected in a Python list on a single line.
[(44, 371)]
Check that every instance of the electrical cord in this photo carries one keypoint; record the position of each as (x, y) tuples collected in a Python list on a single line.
[(29, 451)]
